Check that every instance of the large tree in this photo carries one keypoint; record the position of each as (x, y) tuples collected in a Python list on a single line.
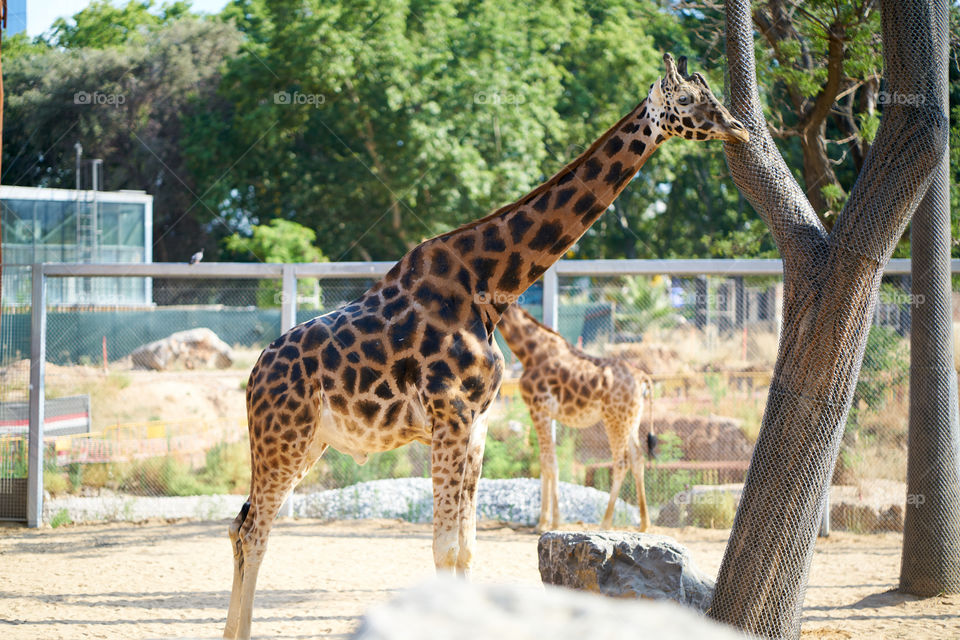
[(120, 88), (818, 62), (471, 104)]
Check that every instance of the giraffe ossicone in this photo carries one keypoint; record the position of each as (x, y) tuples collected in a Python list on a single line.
[(414, 359)]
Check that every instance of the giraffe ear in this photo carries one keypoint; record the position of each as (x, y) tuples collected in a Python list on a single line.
[(656, 95)]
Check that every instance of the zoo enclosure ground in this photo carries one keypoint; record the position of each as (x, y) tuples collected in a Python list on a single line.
[(171, 579)]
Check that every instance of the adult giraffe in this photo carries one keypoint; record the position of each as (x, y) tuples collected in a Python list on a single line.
[(414, 357)]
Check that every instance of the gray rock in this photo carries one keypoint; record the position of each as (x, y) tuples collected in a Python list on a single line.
[(190, 349), (446, 608), (624, 565)]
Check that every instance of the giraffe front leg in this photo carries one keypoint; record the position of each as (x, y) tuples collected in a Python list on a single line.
[(468, 497), (549, 514), (448, 453)]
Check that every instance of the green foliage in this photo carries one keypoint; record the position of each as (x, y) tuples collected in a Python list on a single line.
[(278, 241), (510, 458), (834, 195), (227, 468), (643, 304), (335, 469), (102, 24), (379, 124), (55, 483), (886, 366), (512, 452), (669, 447), (469, 106), (662, 484), (163, 476), (60, 518), (120, 81)]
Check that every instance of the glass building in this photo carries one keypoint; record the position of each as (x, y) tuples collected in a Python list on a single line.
[(67, 225)]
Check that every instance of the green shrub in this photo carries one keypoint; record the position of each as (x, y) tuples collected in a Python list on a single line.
[(165, 477), (55, 483), (227, 468), (713, 510), (102, 475), (61, 518)]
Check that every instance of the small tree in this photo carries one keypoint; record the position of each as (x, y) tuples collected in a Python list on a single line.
[(279, 241)]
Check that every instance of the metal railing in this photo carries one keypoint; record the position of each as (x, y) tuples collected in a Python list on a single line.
[(289, 274)]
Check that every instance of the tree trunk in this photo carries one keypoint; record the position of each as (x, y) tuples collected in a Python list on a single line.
[(830, 290), (931, 534)]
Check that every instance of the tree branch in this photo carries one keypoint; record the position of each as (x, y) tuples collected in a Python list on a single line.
[(757, 168)]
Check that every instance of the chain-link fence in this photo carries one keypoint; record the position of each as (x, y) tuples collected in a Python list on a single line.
[(14, 396), (148, 400), (709, 343)]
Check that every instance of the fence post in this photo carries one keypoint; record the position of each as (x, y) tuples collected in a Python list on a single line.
[(288, 319), (551, 315), (288, 299), (38, 356)]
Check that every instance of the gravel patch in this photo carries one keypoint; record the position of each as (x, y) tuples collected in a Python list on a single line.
[(514, 500), (411, 499)]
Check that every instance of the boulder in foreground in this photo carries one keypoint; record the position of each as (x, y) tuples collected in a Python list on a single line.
[(446, 608), (624, 565)]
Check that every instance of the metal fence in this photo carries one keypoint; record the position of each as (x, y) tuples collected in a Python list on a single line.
[(174, 425)]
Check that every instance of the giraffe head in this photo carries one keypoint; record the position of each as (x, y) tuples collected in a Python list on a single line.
[(689, 109)]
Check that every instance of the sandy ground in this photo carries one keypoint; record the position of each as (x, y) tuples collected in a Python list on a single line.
[(171, 580)]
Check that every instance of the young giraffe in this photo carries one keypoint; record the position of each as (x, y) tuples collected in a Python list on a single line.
[(561, 382), (414, 357)]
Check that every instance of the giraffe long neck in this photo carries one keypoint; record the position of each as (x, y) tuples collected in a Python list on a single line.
[(490, 262), (509, 249), (527, 338)]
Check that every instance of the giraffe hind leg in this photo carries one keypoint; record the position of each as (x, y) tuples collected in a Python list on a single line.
[(233, 614), (249, 533), (252, 543)]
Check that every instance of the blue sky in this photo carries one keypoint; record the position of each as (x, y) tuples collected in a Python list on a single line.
[(42, 13)]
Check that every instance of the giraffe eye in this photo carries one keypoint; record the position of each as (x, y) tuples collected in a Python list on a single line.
[(684, 99)]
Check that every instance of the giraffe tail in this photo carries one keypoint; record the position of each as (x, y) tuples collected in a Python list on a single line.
[(651, 436)]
